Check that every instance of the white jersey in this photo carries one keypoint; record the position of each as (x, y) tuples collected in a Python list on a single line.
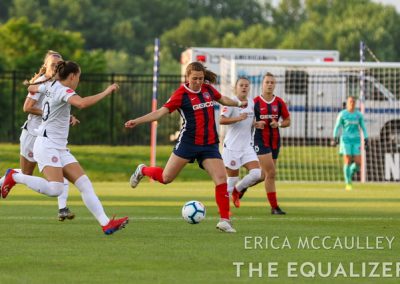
[(34, 121), (239, 135), (56, 113)]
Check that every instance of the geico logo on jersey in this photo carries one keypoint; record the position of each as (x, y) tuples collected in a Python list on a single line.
[(268, 116), (203, 105)]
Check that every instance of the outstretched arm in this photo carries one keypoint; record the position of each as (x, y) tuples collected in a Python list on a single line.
[(152, 116), (226, 101), (79, 102)]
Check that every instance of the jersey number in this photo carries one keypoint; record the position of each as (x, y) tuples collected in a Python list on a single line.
[(46, 111)]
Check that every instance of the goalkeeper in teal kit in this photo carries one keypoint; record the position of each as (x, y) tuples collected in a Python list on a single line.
[(350, 121)]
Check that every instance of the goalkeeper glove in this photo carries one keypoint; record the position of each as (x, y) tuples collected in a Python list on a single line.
[(366, 144)]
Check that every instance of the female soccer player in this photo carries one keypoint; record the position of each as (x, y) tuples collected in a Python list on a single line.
[(198, 138), (350, 120), (33, 106), (237, 147), (268, 109), (50, 148)]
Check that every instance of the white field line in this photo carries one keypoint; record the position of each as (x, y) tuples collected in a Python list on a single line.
[(265, 218)]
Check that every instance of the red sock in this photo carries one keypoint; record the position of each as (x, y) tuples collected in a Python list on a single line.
[(272, 199), (222, 199), (154, 173)]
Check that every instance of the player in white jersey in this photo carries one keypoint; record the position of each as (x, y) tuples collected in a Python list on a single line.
[(33, 106), (238, 150), (50, 148)]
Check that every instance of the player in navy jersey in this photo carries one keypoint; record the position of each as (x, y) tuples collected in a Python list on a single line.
[(268, 111), (198, 139)]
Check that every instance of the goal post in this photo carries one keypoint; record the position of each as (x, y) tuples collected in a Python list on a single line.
[(315, 93)]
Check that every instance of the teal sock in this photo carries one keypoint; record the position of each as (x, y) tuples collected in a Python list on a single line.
[(347, 174), (353, 169)]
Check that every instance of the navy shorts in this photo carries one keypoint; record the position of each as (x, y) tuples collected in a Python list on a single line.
[(197, 152), (262, 150)]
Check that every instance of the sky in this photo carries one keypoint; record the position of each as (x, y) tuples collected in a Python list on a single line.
[(395, 3)]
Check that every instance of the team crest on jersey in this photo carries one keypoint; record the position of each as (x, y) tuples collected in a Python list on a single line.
[(224, 109), (206, 95), (274, 108), (233, 163), (54, 159), (30, 155), (70, 91)]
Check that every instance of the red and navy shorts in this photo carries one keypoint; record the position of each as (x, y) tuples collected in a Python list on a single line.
[(197, 152), (261, 149)]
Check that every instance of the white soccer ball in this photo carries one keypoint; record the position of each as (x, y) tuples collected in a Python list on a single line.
[(193, 212)]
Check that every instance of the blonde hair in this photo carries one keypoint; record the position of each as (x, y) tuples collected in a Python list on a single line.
[(43, 69)]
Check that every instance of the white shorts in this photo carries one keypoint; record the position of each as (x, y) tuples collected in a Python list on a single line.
[(27, 141), (51, 157), (235, 159)]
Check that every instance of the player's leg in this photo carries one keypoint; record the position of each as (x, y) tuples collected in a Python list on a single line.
[(347, 171), (232, 166), (215, 168), (355, 166), (75, 174), (268, 167), (27, 166)]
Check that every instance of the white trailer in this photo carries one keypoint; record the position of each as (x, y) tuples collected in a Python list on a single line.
[(211, 57)]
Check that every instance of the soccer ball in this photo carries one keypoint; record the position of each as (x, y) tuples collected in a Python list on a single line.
[(193, 212)]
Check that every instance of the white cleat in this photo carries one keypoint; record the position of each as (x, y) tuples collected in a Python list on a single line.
[(1, 181), (225, 226), (137, 176)]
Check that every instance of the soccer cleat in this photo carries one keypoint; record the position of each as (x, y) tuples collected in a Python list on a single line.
[(225, 225), (137, 176), (236, 197), (242, 192), (277, 211), (115, 225), (348, 187), (8, 183), (65, 213)]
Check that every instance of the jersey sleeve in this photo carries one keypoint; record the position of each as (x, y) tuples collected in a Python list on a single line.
[(34, 96), (174, 102), (284, 111), (227, 111), (66, 94), (42, 88), (216, 94)]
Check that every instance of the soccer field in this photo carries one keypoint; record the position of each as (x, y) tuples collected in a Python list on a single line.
[(353, 233)]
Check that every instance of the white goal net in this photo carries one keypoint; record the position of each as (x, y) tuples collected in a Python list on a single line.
[(315, 93)]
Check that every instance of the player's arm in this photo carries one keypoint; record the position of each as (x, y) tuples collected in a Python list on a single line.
[(226, 101), (231, 120), (337, 126), (152, 116), (29, 107), (362, 125), (85, 102)]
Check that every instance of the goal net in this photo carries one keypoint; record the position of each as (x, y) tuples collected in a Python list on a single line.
[(315, 93)]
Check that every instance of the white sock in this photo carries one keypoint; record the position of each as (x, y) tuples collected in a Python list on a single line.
[(91, 200), (38, 184), (62, 198), (250, 179), (231, 181)]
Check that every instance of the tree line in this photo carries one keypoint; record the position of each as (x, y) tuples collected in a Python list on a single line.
[(118, 35)]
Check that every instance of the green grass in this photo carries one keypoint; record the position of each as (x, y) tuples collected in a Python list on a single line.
[(157, 246), (107, 163)]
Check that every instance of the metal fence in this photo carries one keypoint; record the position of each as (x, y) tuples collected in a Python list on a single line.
[(102, 123)]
